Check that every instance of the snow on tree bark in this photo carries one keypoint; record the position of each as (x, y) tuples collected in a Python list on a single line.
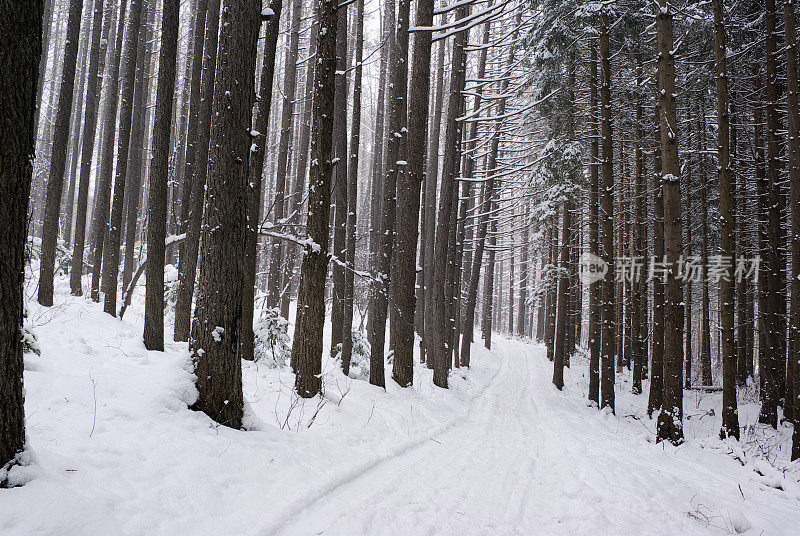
[(214, 343)]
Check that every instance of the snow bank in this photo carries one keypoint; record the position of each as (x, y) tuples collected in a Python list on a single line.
[(115, 449)]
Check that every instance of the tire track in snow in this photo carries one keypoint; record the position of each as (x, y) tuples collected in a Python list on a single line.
[(352, 474)]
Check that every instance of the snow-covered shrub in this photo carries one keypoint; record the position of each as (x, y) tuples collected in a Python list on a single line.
[(30, 343), (359, 361), (170, 288), (272, 338), (33, 252)]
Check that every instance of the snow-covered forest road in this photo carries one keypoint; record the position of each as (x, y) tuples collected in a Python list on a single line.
[(529, 460), (116, 450)]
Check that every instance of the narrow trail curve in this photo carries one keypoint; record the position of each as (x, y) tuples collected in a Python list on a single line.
[(530, 460)]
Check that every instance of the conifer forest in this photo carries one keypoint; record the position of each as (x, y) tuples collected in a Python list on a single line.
[(399, 267)]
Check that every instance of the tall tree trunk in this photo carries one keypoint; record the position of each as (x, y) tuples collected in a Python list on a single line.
[(93, 86), (705, 322), (136, 164), (277, 265), (19, 62), (352, 194), (106, 155), (440, 349), (687, 294), (187, 267), (559, 356), (639, 333), (159, 175), (301, 170), (307, 343), (775, 299), (595, 289), (377, 175), (130, 51), (255, 170), (408, 196), (395, 167), (670, 420), (94, 10), (195, 74), (608, 340), (214, 343), (55, 182), (431, 182), (552, 245), (730, 413), (339, 186), (656, 396), (793, 108)]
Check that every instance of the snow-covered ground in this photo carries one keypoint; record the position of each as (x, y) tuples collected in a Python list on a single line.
[(115, 451)]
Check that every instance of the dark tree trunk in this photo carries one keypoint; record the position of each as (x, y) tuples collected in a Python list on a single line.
[(431, 180), (705, 322), (277, 268), (639, 292), (656, 396), (58, 159), (136, 167), (307, 344), (488, 285), (395, 167), (608, 340), (19, 63), (670, 420), (159, 171), (217, 319), (550, 328), (339, 186), (687, 294), (440, 349), (775, 299), (187, 267), (130, 51), (93, 86), (595, 289), (793, 106), (106, 155), (408, 197), (352, 194), (480, 245), (196, 74), (256, 165), (377, 175), (301, 172), (730, 413), (94, 11), (559, 356)]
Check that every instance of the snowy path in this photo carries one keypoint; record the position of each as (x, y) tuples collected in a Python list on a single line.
[(531, 460)]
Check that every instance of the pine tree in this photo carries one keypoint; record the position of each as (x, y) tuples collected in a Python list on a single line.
[(670, 420), (157, 198), (730, 412), (19, 61), (55, 183), (187, 267), (307, 343), (214, 343), (95, 78), (608, 342)]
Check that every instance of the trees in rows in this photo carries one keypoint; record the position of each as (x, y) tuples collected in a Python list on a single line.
[(504, 144)]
